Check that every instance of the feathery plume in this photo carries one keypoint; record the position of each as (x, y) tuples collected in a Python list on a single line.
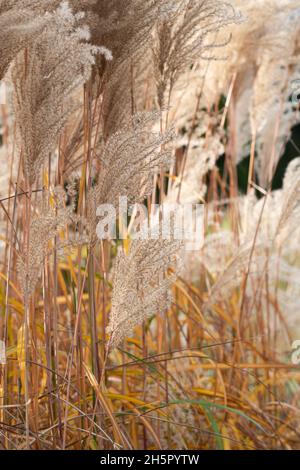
[(44, 227), (57, 63), (128, 161), (142, 282), (19, 25), (185, 36)]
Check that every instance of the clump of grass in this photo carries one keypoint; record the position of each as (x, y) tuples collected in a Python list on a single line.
[(111, 343)]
